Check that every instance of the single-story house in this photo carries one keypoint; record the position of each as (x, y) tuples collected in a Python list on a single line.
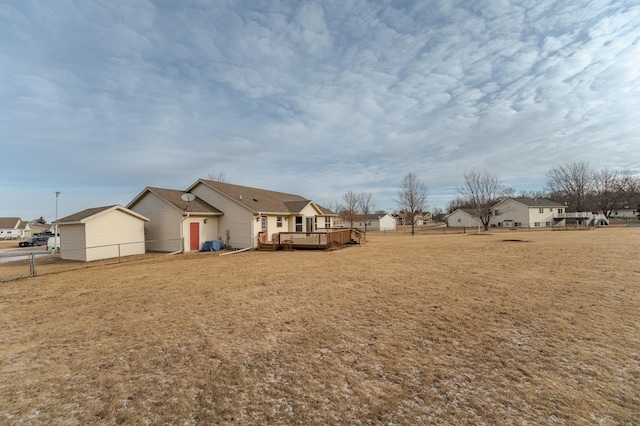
[(463, 218), (12, 228), (39, 228), (527, 212), (176, 218), (101, 233), (419, 219), (376, 222), (252, 212)]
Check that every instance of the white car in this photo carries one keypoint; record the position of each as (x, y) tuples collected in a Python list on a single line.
[(53, 245)]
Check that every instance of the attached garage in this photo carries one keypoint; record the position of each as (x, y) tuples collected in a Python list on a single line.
[(101, 233)]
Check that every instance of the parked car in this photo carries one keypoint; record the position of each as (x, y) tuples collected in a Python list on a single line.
[(33, 241), (53, 245)]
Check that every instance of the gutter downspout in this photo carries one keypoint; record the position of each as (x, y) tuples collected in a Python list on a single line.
[(236, 251), (182, 234)]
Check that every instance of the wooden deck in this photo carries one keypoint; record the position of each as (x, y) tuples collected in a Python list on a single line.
[(320, 240)]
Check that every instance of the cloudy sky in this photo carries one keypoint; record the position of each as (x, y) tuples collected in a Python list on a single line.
[(99, 99)]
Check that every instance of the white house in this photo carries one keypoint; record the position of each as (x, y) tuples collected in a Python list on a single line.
[(101, 233), (376, 222), (12, 228), (528, 213), (463, 218), (625, 213), (178, 221)]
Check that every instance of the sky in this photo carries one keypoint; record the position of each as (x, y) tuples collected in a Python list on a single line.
[(100, 99)]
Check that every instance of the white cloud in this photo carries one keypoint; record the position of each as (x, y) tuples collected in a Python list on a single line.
[(353, 94)]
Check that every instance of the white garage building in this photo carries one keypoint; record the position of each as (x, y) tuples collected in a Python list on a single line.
[(101, 233)]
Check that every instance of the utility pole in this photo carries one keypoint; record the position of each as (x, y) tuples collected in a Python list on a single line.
[(55, 248)]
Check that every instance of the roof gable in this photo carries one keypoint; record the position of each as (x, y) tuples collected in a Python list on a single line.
[(9, 222), (173, 198), (533, 202), (261, 200), (468, 212), (88, 214)]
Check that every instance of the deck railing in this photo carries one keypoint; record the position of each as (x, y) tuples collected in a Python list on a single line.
[(321, 239)]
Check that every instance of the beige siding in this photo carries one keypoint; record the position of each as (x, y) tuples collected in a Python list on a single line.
[(460, 219), (208, 231), (322, 223), (72, 242), (512, 212), (114, 234), (239, 221), (387, 223), (163, 231)]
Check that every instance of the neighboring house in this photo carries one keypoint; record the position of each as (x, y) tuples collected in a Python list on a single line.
[(420, 218), (10, 228), (101, 233), (463, 218), (176, 218), (250, 212), (527, 212), (440, 218), (625, 213), (38, 228), (25, 229), (376, 222)]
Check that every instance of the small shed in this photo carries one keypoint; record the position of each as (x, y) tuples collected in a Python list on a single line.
[(462, 218), (101, 233), (376, 222)]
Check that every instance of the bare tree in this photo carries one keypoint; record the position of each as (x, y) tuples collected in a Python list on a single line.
[(350, 207), (610, 189), (366, 207), (333, 206), (219, 177), (412, 198), (532, 194), (458, 203), (481, 190), (436, 211), (571, 181)]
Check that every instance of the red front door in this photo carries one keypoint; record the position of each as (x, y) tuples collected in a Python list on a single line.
[(194, 236)]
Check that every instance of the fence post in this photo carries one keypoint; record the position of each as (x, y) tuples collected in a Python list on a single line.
[(119, 258), (32, 265)]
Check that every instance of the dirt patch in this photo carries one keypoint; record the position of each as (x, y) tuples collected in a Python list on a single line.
[(435, 329)]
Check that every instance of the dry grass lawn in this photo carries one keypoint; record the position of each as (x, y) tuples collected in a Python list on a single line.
[(434, 329)]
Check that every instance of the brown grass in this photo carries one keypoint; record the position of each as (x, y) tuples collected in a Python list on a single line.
[(402, 330)]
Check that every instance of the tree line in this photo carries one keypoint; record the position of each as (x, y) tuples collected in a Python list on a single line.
[(578, 186)]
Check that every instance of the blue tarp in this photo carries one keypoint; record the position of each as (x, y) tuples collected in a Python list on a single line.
[(213, 245)]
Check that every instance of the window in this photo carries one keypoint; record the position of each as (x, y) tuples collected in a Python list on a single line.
[(279, 221), (498, 212), (536, 224), (548, 224), (298, 223), (459, 220), (560, 211), (541, 210), (327, 222)]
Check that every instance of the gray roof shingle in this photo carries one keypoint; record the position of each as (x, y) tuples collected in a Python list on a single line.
[(174, 197), (262, 200)]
